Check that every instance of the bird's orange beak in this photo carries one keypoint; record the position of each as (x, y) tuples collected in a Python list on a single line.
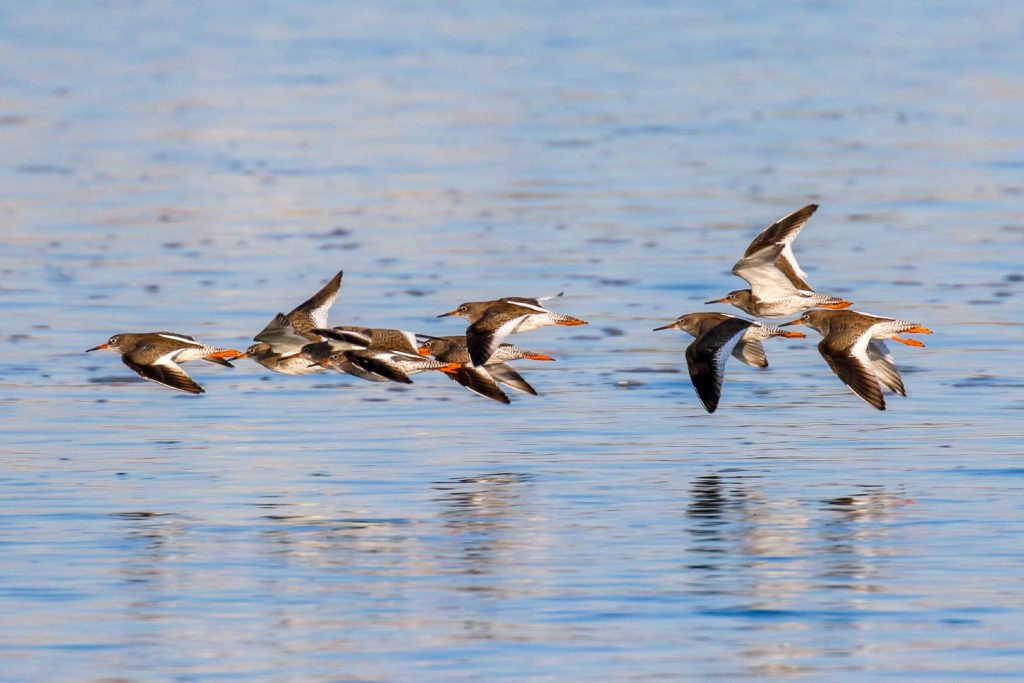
[(723, 300), (423, 350), (791, 322), (667, 327), (445, 315), (539, 356), (98, 348)]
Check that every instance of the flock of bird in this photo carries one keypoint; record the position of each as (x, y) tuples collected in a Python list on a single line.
[(852, 342), (301, 343)]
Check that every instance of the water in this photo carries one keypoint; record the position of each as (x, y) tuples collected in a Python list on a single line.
[(194, 168)]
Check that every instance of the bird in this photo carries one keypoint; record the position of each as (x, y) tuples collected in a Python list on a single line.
[(707, 354), (155, 356), (778, 286), (748, 349), (852, 346), (278, 344), (492, 321), (482, 380), (391, 354)]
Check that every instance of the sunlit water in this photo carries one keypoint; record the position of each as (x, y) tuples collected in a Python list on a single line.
[(199, 167)]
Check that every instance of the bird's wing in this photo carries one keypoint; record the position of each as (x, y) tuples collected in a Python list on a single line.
[(313, 311), (479, 381), (378, 364), (166, 372), (706, 358), (783, 232), (485, 335), (179, 337), (281, 336), (885, 367), (506, 374), (532, 303), (751, 352), (342, 339), (854, 367), (765, 278), (350, 368)]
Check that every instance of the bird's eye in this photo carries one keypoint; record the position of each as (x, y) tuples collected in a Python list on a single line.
[(462, 309), (112, 340)]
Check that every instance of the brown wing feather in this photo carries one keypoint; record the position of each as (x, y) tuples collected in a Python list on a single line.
[(706, 357), (783, 230), (480, 382), (169, 375), (855, 373), (751, 352), (485, 335), (507, 375), (313, 311)]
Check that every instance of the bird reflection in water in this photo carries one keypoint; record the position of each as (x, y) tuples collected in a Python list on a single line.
[(487, 514), (766, 561)]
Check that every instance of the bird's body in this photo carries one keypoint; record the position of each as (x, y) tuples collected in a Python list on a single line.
[(482, 379), (279, 344), (852, 346), (155, 356), (389, 354), (748, 349), (492, 321), (778, 286), (717, 335)]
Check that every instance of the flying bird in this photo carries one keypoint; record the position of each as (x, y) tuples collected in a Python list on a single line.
[(155, 356), (852, 346), (717, 337), (491, 322), (778, 286)]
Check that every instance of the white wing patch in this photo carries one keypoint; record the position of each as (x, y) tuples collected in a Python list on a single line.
[(177, 337)]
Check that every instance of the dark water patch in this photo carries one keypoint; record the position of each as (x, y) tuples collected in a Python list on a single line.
[(140, 515), (650, 370), (44, 169), (116, 380)]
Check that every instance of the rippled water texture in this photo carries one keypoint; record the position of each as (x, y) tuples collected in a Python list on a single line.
[(198, 167)]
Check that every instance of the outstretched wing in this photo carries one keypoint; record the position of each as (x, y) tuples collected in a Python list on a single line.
[(479, 381), (166, 372), (342, 339), (281, 336), (750, 352), (375, 365), (313, 311), (706, 358), (885, 367), (506, 374), (759, 269), (485, 335), (853, 366), (784, 232)]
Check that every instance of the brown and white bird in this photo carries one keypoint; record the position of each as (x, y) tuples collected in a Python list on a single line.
[(155, 356), (748, 349), (391, 354), (481, 379), (717, 337), (852, 346), (279, 344), (777, 284), (492, 321)]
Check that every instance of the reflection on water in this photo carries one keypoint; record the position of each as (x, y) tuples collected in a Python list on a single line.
[(765, 558), (199, 168)]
